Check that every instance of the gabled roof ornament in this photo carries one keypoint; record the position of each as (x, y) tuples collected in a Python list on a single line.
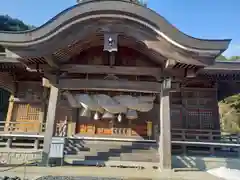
[(110, 42)]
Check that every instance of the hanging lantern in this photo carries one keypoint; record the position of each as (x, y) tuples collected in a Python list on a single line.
[(107, 115), (131, 114), (119, 118), (96, 116), (85, 113)]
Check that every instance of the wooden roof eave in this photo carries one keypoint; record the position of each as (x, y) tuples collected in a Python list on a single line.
[(222, 67), (155, 49), (4, 59), (122, 9), (14, 64)]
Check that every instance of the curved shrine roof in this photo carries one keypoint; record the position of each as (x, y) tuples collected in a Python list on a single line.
[(122, 7), (77, 22)]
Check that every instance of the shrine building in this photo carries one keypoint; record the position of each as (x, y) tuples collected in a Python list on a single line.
[(117, 80)]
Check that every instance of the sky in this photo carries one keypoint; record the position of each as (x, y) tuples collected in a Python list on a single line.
[(212, 19)]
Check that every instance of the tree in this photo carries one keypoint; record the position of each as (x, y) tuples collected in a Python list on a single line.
[(142, 2), (222, 58), (234, 58), (229, 116), (9, 24)]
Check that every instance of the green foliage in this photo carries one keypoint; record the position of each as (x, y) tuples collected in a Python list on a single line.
[(234, 58), (223, 58), (9, 24), (142, 2), (233, 102), (229, 110)]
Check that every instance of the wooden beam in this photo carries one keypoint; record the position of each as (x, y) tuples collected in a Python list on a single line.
[(9, 113), (24, 100), (50, 124), (176, 73), (43, 113), (51, 60), (191, 73), (50, 79), (109, 85), (117, 70)]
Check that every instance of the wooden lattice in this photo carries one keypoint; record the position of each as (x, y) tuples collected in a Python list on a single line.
[(176, 118), (28, 116), (28, 112), (192, 119), (200, 105), (200, 119), (206, 119)]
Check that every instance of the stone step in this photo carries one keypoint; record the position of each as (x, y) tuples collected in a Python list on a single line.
[(144, 157), (109, 143), (100, 147), (108, 149), (94, 153)]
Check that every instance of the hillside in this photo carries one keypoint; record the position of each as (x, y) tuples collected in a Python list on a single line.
[(229, 111), (229, 108)]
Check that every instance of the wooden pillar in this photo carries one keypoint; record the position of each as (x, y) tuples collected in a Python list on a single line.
[(165, 151), (73, 122), (50, 124), (44, 106), (11, 106), (9, 113)]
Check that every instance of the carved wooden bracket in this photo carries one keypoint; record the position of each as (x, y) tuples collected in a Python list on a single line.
[(170, 63)]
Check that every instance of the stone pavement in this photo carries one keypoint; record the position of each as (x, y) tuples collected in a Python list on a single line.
[(35, 172)]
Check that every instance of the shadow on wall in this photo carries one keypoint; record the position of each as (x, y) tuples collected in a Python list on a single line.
[(204, 163), (4, 102)]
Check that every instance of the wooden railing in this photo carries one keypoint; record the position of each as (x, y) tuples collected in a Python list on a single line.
[(203, 135), (34, 127), (19, 157), (205, 142)]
